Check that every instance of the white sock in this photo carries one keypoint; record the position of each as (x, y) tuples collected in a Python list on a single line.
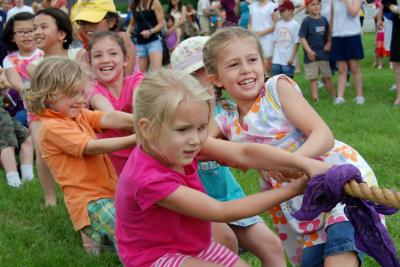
[(27, 172), (13, 179)]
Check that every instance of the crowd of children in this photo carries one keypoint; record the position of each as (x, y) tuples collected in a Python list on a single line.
[(131, 144)]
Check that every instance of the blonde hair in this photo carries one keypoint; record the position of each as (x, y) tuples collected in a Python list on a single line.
[(158, 96), (221, 38), (52, 75)]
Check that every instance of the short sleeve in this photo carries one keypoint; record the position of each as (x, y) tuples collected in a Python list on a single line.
[(296, 30), (303, 29), (94, 118), (272, 87), (69, 140), (155, 190), (7, 64)]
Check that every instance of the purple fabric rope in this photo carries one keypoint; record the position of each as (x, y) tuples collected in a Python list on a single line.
[(325, 191)]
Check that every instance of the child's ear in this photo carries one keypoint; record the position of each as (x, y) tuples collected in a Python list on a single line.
[(144, 127), (61, 36), (126, 58), (213, 78)]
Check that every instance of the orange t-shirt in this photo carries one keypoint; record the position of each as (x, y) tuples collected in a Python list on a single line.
[(82, 178)]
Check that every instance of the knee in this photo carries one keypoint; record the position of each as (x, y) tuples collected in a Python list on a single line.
[(28, 141)]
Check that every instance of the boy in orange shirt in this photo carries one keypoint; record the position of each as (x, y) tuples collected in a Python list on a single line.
[(70, 148)]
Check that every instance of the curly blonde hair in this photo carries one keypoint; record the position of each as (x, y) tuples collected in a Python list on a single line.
[(53, 75)]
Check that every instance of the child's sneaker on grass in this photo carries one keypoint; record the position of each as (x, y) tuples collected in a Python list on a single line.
[(360, 100), (89, 245), (27, 172), (393, 88), (339, 101)]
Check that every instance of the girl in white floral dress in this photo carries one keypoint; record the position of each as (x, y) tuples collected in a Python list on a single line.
[(276, 113)]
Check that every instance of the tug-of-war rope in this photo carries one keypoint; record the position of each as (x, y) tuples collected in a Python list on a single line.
[(375, 194)]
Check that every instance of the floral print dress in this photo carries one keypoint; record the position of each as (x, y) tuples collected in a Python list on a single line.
[(266, 123)]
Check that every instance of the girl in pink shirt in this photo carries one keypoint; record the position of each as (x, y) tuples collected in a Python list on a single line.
[(108, 57), (163, 215)]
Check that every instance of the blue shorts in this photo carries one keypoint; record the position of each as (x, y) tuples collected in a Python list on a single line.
[(283, 69), (144, 50), (340, 239), (347, 48)]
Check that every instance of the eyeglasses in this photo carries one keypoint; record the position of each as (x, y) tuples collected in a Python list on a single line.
[(23, 33)]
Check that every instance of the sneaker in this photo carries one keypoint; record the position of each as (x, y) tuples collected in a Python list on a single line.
[(360, 100), (393, 88), (320, 84), (339, 101)]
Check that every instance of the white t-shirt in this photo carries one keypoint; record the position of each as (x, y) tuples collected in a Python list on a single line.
[(286, 35), (261, 19), (343, 23), (201, 5), (16, 10)]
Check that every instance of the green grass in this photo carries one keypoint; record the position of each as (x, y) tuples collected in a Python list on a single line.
[(32, 235)]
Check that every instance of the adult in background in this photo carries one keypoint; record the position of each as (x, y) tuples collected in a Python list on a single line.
[(146, 23), (347, 47), (179, 12), (393, 7), (229, 7), (19, 7)]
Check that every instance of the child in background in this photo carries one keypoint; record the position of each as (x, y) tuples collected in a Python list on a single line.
[(70, 148), (218, 181), (285, 41), (263, 17), (380, 51), (108, 57), (316, 40), (101, 15), (274, 113), (18, 35), (347, 47), (172, 39), (158, 223), (14, 136), (53, 35)]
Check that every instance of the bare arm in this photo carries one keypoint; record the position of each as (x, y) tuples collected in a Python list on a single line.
[(319, 137), (131, 26), (275, 18), (209, 209), (116, 120), (353, 7), (100, 146), (310, 53), (158, 9), (100, 102), (15, 79), (293, 54), (259, 156), (130, 52)]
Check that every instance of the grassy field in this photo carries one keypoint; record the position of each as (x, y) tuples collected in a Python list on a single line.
[(32, 235)]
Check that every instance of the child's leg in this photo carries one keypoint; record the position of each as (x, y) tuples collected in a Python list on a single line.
[(102, 222), (25, 150), (357, 78), (7, 156), (329, 86), (261, 241), (224, 235), (45, 177), (342, 78), (340, 238), (314, 90), (397, 71)]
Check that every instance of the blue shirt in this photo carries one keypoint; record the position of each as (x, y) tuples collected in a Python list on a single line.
[(218, 180), (315, 31)]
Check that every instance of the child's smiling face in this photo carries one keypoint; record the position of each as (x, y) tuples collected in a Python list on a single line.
[(69, 105), (240, 70), (23, 35), (107, 60)]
